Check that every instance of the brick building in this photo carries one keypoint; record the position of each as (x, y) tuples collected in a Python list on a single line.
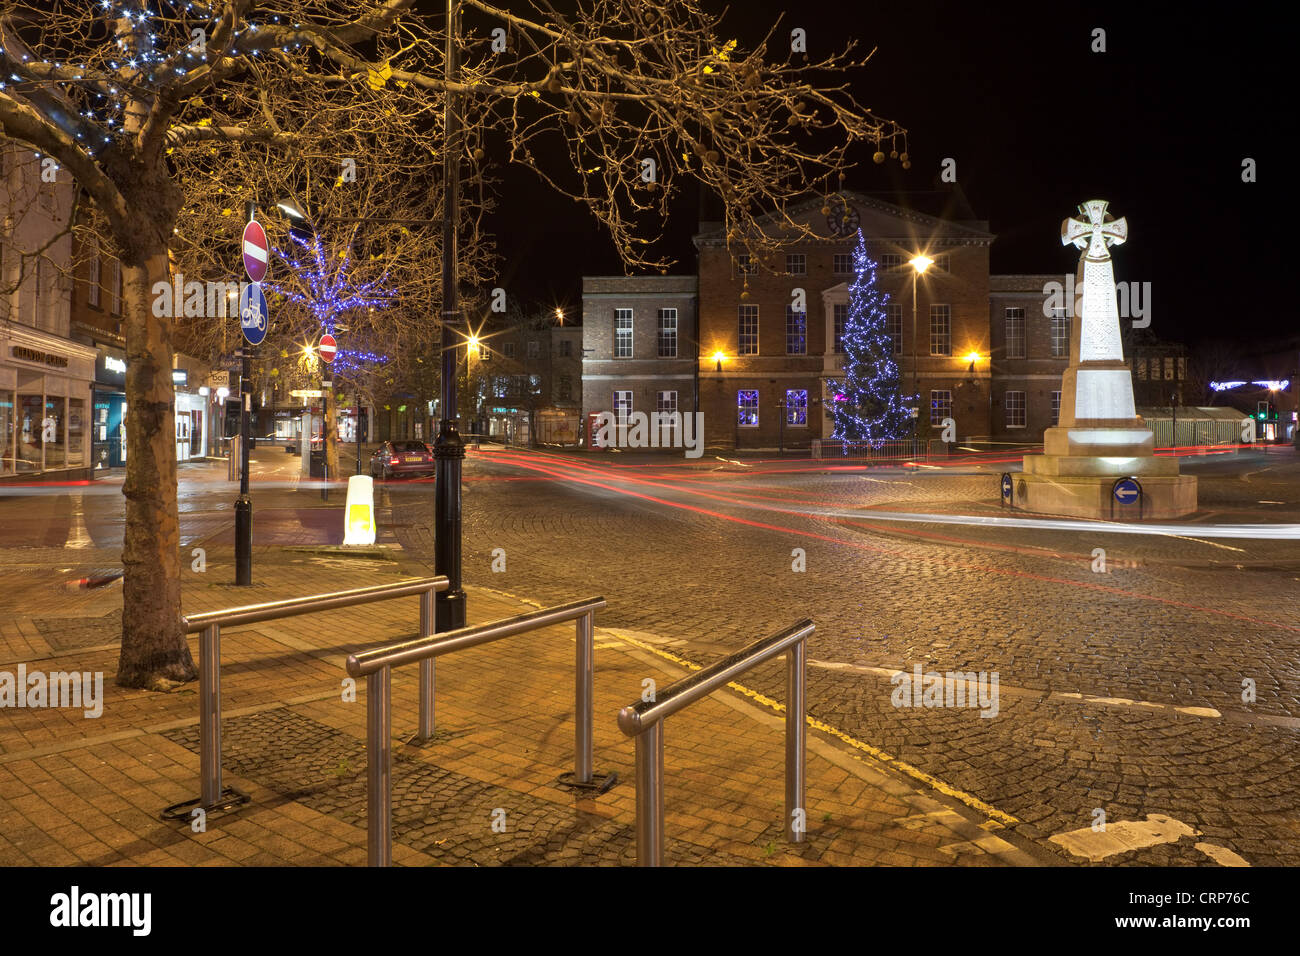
[(639, 344), (777, 362), (1031, 349)]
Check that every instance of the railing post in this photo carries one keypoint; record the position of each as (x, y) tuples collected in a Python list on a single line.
[(796, 814), (210, 715), (379, 768), (582, 709), (650, 795), (427, 674)]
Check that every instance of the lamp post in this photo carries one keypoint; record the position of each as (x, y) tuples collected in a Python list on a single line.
[(919, 263), (449, 448)]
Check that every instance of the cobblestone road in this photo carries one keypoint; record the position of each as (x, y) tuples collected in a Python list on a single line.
[(1120, 692)]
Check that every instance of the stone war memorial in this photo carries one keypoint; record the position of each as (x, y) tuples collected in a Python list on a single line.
[(1099, 461)]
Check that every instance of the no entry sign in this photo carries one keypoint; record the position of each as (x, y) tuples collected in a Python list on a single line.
[(328, 348), (255, 251)]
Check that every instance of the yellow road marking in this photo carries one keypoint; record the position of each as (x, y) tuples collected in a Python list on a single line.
[(996, 816)]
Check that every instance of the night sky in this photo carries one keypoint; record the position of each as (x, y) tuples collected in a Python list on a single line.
[(1158, 125)]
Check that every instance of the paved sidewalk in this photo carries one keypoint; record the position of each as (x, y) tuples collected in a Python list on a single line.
[(75, 790)]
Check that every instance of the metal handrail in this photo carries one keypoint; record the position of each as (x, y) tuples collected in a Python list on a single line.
[(644, 721), (376, 666), (209, 624)]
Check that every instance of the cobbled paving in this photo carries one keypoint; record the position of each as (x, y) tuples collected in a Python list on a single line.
[(1162, 626)]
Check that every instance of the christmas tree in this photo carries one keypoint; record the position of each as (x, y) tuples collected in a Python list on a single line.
[(868, 405)]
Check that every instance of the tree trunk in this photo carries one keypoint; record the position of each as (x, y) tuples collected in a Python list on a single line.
[(331, 430), (154, 649)]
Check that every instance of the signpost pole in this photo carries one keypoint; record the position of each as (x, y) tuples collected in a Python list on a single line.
[(449, 449), (244, 504)]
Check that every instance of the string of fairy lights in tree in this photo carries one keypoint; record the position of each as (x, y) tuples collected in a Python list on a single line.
[(327, 292), (868, 405), (142, 50)]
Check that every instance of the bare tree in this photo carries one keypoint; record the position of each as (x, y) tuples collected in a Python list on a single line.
[(638, 97)]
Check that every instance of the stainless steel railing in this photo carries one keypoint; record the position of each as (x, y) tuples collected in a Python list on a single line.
[(208, 624), (377, 666), (644, 720)]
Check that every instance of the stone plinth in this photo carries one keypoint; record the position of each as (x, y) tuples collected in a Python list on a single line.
[(1089, 496)]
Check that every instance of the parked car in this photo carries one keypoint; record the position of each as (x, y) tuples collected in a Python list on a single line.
[(394, 458)]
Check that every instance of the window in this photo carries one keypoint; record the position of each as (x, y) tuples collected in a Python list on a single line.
[(622, 333), (508, 349), (566, 348), (1015, 405), (668, 333), (534, 349), (891, 262), (940, 406), (796, 264), (940, 330), (745, 265), (535, 384), (115, 290), (748, 331), (666, 406), (894, 325), (500, 386), (1056, 408), (1182, 368), (1015, 333), (842, 264), (1169, 368), (796, 406), (95, 279), (564, 388), (841, 318), (622, 406), (1140, 369), (1060, 333), (747, 407), (943, 263), (796, 332)]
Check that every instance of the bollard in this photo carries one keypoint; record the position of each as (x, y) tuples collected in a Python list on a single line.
[(210, 715), (379, 768), (582, 711), (427, 673)]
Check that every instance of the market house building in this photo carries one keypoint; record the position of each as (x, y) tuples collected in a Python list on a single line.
[(766, 368)]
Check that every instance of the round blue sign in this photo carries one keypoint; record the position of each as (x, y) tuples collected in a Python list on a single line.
[(1126, 491), (1006, 485), (254, 317)]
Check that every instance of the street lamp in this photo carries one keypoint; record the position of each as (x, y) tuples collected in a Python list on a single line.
[(919, 263)]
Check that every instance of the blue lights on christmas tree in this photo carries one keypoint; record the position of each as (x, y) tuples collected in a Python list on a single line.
[(868, 405)]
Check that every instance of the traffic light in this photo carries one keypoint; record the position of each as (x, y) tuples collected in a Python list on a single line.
[(1262, 411)]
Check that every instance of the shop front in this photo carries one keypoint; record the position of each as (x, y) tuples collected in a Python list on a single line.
[(45, 392), (191, 419), (108, 410)]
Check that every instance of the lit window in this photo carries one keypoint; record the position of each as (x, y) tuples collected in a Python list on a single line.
[(940, 406), (747, 407), (1056, 408), (796, 332), (796, 406), (623, 406)]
